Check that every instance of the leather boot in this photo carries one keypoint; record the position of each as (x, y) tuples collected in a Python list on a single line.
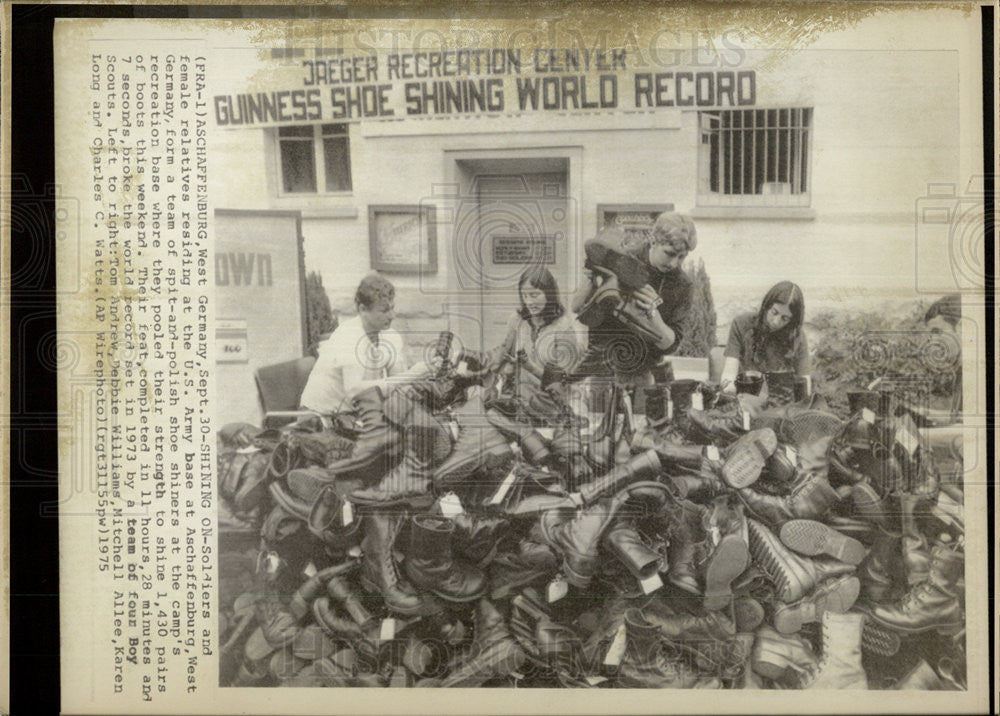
[(784, 658), (532, 562), (741, 675), (424, 435), (880, 569), (476, 537), (793, 576), (624, 542), (645, 663), (922, 677), (378, 570), (577, 537), (682, 551), (569, 457), (378, 446), (935, 603), (408, 480), (430, 564), (747, 456), (810, 499), (645, 466), (533, 446), (726, 527), (699, 485), (478, 447), (916, 551), (711, 426), (813, 538), (494, 653), (834, 595), (840, 663), (866, 504), (671, 454)]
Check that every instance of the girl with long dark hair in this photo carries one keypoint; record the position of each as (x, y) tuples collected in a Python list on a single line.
[(770, 340), (540, 331)]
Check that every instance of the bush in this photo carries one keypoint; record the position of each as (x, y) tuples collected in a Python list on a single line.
[(698, 331), (855, 348), (320, 321)]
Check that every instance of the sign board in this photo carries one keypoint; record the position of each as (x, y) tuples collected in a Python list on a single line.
[(508, 249)]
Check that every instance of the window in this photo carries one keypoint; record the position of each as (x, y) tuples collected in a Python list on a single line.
[(303, 148), (754, 157)]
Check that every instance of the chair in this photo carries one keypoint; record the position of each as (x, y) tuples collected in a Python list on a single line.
[(280, 387)]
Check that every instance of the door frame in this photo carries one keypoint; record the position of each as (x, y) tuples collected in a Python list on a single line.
[(463, 310)]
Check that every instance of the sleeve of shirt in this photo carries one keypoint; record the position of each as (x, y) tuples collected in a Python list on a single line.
[(325, 387), (399, 363), (678, 314)]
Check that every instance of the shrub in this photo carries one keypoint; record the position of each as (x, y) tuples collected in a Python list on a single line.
[(855, 348), (698, 330), (320, 321)]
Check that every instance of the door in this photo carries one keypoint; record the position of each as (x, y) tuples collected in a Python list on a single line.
[(510, 221)]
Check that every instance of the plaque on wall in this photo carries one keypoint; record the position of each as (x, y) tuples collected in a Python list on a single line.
[(514, 249)]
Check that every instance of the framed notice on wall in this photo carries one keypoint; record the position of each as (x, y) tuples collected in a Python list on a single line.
[(402, 238), (633, 219)]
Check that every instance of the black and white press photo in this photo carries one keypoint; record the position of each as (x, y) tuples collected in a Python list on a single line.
[(606, 352)]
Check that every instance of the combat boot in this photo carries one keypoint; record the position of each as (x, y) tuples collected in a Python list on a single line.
[(784, 658), (840, 663), (810, 499), (510, 571), (714, 427), (916, 551), (793, 576), (682, 552), (813, 538), (476, 537), (645, 663), (644, 466), (430, 564), (578, 537), (533, 446), (747, 456), (379, 445), (880, 569), (935, 603), (834, 595), (726, 528), (569, 457), (378, 570), (624, 541), (671, 454), (494, 653), (478, 447), (410, 479)]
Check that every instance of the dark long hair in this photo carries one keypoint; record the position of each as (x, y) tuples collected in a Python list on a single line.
[(541, 278), (787, 337)]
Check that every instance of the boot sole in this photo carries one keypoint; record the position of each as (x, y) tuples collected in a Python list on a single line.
[(949, 629), (748, 458), (747, 613), (836, 596), (729, 561), (813, 538)]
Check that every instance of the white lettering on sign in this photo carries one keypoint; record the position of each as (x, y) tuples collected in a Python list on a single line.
[(238, 268)]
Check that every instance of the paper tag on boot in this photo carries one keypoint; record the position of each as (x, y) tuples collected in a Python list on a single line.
[(629, 415), (746, 419), (651, 584), (711, 452), (387, 632), (504, 488), (310, 570), (670, 409), (547, 433), (868, 416), (595, 680), (908, 440), (453, 429), (558, 588), (347, 513), (451, 505), (617, 649), (354, 552), (696, 401), (792, 456)]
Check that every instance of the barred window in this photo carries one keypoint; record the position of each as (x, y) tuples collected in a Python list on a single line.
[(754, 157), (305, 148)]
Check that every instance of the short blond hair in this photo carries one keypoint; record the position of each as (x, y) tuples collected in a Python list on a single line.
[(675, 229)]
